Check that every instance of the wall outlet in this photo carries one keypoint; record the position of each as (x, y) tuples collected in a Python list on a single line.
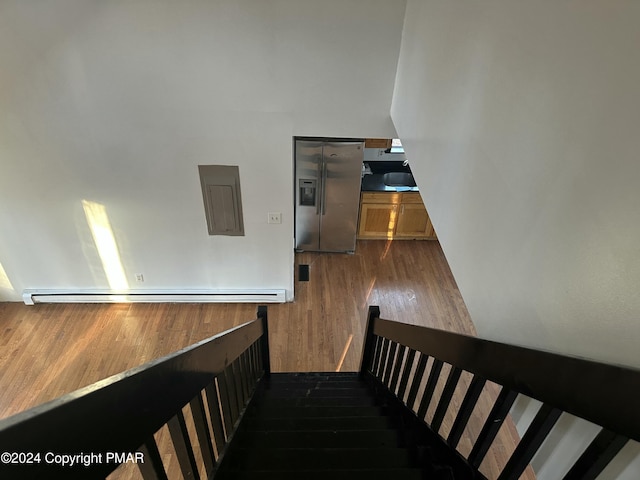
[(274, 218), (139, 277)]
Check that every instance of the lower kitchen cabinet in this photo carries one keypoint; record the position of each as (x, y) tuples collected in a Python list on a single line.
[(399, 216), (413, 221), (377, 220)]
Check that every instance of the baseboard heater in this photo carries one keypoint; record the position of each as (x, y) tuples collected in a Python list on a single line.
[(31, 297)]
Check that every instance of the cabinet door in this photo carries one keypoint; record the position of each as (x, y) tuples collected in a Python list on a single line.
[(377, 143), (377, 220), (413, 221), (411, 197)]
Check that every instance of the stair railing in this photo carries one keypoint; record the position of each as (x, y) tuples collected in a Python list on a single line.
[(87, 434), (395, 356)]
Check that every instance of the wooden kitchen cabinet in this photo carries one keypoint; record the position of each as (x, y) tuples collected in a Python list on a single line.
[(398, 216), (413, 221), (377, 220), (377, 143), (378, 213)]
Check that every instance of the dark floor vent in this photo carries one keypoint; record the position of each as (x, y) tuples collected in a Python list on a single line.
[(303, 273)]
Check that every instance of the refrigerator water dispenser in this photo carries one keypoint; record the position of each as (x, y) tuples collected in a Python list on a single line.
[(307, 192)]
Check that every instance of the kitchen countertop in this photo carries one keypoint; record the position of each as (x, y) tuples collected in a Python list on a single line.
[(375, 183)]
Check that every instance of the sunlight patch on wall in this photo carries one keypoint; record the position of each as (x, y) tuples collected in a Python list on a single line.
[(106, 244), (4, 279)]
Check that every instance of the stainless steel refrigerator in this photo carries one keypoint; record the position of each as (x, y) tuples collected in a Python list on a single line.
[(328, 174)]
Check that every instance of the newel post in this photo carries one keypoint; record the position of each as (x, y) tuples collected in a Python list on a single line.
[(367, 349), (264, 341)]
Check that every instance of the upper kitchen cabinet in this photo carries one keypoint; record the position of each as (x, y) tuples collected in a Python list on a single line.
[(377, 143)]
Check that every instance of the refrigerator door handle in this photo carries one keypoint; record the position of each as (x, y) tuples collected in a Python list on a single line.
[(324, 186), (320, 188)]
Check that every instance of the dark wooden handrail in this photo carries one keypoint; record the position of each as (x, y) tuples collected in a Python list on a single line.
[(395, 357), (120, 413), (601, 393)]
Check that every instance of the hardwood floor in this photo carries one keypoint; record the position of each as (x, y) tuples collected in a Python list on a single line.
[(49, 350)]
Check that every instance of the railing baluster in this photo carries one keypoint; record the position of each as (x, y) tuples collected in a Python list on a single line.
[(417, 379), (242, 372), (227, 404), (396, 370), (466, 409), (202, 431), (383, 358), (264, 340), (375, 365), (257, 371), (445, 398), (540, 427), (492, 425), (255, 368), (235, 388), (389, 366), (375, 347), (259, 358), (404, 380), (152, 467), (215, 416), (250, 371), (182, 444), (369, 340), (436, 368), (246, 372), (597, 456), (233, 393), (248, 378), (252, 366), (237, 378)]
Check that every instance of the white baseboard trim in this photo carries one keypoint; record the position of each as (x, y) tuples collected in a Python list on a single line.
[(33, 296)]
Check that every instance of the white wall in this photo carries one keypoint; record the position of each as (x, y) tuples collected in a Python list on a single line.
[(520, 121), (117, 102)]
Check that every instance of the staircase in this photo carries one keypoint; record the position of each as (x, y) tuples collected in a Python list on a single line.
[(249, 423), (327, 425)]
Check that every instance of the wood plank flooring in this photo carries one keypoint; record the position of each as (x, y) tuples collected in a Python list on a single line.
[(49, 350)]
